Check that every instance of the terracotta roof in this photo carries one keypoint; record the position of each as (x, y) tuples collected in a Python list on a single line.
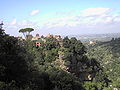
[(36, 38)]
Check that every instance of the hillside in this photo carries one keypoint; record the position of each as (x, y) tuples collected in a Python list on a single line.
[(108, 54), (54, 63)]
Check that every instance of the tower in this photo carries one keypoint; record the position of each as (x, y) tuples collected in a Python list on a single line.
[(1, 24)]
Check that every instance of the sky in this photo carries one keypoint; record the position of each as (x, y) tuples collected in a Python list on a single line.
[(61, 17)]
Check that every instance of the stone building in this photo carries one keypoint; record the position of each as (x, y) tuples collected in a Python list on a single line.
[(38, 38)]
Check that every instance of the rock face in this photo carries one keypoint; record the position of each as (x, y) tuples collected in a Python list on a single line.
[(60, 63), (116, 89)]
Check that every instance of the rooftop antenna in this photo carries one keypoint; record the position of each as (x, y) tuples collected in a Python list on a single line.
[(1, 24)]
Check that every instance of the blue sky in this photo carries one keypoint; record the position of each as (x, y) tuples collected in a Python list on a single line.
[(64, 17)]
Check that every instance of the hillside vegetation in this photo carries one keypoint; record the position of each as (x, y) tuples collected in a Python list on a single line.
[(55, 66), (108, 54)]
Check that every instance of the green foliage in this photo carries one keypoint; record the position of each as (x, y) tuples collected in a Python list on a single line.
[(66, 42), (51, 43), (102, 77), (91, 86), (44, 56), (95, 86), (40, 81), (63, 80), (13, 64), (107, 53), (76, 60), (26, 31), (51, 55), (2, 84), (26, 67), (117, 83)]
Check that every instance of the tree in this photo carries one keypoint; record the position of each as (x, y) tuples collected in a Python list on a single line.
[(26, 31), (51, 43), (13, 62), (40, 81), (74, 54), (63, 80), (66, 42)]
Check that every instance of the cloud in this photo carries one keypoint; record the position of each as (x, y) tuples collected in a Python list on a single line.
[(34, 12), (27, 23), (89, 17), (65, 13), (14, 26), (91, 20), (96, 11), (61, 22), (13, 22), (23, 23)]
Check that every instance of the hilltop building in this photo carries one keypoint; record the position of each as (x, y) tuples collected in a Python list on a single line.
[(38, 39), (92, 42)]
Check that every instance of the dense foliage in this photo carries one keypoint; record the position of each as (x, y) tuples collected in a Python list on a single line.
[(108, 54), (55, 66), (13, 61)]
